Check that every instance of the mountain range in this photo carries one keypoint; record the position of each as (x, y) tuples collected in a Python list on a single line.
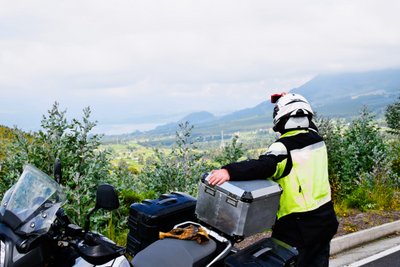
[(339, 95)]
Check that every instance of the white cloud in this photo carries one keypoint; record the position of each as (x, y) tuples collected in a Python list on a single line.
[(132, 58)]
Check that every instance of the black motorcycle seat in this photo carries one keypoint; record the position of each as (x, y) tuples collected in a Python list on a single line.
[(175, 253)]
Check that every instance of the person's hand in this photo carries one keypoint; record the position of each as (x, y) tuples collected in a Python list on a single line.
[(218, 177)]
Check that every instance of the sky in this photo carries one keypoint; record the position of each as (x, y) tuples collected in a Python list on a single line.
[(141, 63)]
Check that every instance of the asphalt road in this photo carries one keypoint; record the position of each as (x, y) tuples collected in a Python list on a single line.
[(386, 258), (391, 260), (383, 252)]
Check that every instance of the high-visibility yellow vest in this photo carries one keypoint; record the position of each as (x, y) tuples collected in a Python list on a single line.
[(306, 187)]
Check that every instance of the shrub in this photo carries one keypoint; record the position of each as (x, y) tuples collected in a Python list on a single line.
[(353, 151), (84, 166), (394, 157), (177, 170), (375, 191), (392, 116), (332, 132), (231, 152)]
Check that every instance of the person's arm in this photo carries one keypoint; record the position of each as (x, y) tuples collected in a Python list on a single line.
[(244, 170), (262, 168)]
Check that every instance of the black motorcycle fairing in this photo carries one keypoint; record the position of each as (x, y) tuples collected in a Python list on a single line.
[(8, 235), (10, 219), (13, 257)]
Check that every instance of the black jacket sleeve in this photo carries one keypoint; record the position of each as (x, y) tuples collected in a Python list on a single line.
[(261, 168)]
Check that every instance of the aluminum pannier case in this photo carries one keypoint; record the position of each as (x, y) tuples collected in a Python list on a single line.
[(239, 208)]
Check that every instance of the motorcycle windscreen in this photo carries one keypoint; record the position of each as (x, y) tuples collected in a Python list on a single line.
[(33, 202)]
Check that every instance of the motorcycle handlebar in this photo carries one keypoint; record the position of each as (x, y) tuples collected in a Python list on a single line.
[(6, 232), (63, 218)]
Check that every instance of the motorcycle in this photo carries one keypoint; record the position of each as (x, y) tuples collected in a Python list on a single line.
[(35, 231)]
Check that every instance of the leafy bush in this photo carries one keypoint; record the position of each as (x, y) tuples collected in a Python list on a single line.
[(178, 170), (6, 137), (375, 191), (332, 132), (363, 149), (392, 115), (394, 157), (231, 152), (354, 151), (84, 166), (12, 160)]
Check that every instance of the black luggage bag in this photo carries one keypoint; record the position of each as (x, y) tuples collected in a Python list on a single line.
[(148, 218), (268, 252)]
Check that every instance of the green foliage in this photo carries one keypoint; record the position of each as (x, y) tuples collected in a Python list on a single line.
[(394, 157), (376, 190), (84, 166), (130, 196), (15, 156), (359, 199), (231, 152), (6, 137), (331, 131), (362, 163), (392, 115), (178, 170), (117, 227), (353, 151), (362, 149)]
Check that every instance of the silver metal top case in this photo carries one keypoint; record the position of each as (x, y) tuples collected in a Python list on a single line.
[(239, 208)]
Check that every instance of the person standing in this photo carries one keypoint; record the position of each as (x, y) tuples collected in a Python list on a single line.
[(298, 161)]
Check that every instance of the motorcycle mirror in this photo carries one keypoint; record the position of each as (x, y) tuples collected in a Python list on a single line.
[(106, 197), (57, 170)]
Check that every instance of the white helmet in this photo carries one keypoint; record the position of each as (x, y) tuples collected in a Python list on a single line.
[(293, 107)]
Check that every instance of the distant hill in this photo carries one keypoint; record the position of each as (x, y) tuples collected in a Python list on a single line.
[(332, 95), (194, 118), (343, 95), (207, 123)]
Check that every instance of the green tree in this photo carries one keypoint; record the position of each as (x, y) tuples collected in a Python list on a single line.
[(363, 147), (392, 115), (6, 137), (177, 170), (231, 152), (12, 160), (332, 132), (84, 165), (354, 151)]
